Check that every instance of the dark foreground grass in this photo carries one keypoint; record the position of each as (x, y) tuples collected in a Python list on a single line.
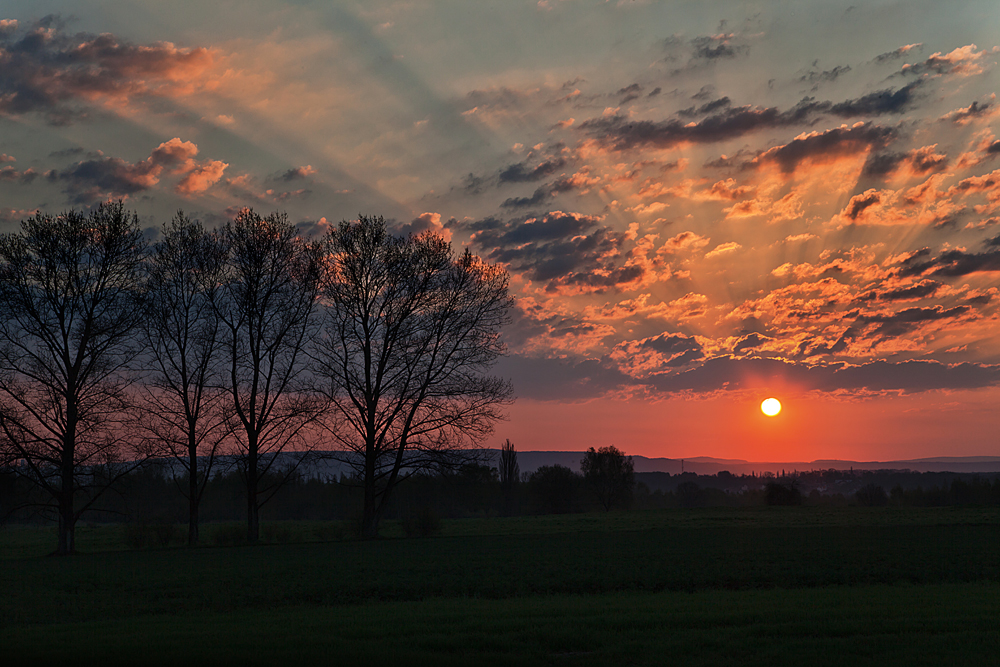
[(932, 624), (122, 584), (713, 587), (18, 542)]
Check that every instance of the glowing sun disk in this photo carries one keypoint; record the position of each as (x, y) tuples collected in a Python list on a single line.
[(770, 406)]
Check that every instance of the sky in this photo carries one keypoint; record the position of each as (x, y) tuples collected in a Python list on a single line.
[(700, 204)]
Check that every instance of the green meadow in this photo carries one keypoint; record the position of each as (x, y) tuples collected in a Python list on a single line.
[(714, 586)]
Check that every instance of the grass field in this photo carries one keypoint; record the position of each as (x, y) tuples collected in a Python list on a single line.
[(755, 586)]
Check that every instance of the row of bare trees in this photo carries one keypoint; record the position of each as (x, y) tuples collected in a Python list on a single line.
[(245, 340)]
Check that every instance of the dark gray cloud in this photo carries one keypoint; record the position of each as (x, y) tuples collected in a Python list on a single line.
[(543, 378), (572, 259), (715, 47), (957, 62), (474, 185), (521, 172), (819, 76), (427, 222), (924, 161), (93, 180), (952, 263), (620, 133), (905, 321), (974, 110), (706, 108), (880, 327), (609, 278), (907, 376), (750, 342), (918, 290), (896, 54), (882, 163), (492, 232), (541, 195), (294, 174), (859, 204), (878, 103), (681, 350), (45, 70), (838, 141), (629, 93), (12, 175), (518, 172), (562, 250)]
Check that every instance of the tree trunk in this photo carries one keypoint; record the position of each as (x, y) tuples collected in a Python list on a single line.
[(369, 515), (253, 510), (67, 526), (193, 498), (67, 519)]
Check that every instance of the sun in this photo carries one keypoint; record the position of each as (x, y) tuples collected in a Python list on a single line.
[(770, 406)]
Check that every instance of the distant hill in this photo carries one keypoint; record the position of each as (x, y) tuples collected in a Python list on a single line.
[(706, 465), (322, 466)]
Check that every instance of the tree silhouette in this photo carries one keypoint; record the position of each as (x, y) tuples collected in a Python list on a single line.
[(410, 331), (182, 411), (70, 301), (266, 305), (609, 474), (556, 489), (510, 473), (776, 493), (872, 495)]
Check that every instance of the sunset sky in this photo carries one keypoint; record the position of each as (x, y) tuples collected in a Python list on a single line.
[(700, 204)]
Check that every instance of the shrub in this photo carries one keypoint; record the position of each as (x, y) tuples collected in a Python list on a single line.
[(165, 531), (143, 533), (871, 495), (610, 475), (421, 523), (228, 534), (689, 494), (555, 489), (136, 535), (330, 531), (782, 494), (277, 533)]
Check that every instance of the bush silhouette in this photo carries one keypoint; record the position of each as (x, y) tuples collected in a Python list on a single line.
[(776, 493), (556, 489), (871, 495), (610, 475), (422, 522)]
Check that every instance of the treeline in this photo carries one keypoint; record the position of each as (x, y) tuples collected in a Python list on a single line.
[(155, 493), (245, 342), (821, 487), (151, 495)]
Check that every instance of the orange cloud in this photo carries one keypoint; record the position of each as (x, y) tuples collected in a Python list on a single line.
[(201, 178), (723, 249)]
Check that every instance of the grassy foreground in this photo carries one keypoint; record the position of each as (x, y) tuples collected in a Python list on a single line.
[(757, 586), (883, 625)]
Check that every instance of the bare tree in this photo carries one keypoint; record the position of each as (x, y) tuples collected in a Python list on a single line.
[(182, 407), (70, 300), (266, 304), (609, 474), (410, 331), (510, 473)]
